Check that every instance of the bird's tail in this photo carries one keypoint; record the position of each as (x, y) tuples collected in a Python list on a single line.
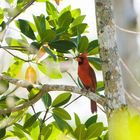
[(93, 106)]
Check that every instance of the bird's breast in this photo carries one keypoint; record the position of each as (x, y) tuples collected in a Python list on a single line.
[(85, 78)]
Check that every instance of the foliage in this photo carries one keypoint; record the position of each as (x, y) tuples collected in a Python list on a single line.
[(130, 122), (43, 44)]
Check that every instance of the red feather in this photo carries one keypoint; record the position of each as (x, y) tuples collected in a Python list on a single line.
[(87, 77)]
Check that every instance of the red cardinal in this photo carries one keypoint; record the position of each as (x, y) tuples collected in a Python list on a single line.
[(87, 77)]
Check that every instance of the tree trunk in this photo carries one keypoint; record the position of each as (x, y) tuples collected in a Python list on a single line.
[(109, 55)]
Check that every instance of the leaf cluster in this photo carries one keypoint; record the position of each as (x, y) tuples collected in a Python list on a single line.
[(55, 34)]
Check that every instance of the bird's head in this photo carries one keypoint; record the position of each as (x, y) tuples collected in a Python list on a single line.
[(82, 58)]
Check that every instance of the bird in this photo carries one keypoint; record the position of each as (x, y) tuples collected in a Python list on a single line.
[(87, 76)]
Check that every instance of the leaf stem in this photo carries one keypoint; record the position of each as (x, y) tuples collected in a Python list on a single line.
[(33, 109), (72, 78), (17, 56), (42, 122)]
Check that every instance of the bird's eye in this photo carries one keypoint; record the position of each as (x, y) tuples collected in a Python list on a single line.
[(80, 60)]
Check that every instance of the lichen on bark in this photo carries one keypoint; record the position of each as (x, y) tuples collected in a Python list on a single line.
[(109, 55)]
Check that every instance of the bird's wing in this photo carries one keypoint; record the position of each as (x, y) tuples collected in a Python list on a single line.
[(93, 78)]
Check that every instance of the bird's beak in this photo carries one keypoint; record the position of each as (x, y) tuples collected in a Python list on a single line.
[(77, 59)]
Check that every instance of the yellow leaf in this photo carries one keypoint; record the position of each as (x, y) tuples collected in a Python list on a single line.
[(57, 1), (31, 75), (40, 53)]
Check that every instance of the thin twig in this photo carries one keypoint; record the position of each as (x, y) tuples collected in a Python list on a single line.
[(72, 101), (126, 30), (22, 10), (42, 122), (130, 72), (101, 109), (72, 78), (10, 20), (17, 56), (67, 105), (12, 91), (17, 48), (5, 96), (33, 109)]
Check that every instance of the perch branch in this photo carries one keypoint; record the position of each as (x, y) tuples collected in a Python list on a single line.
[(43, 90)]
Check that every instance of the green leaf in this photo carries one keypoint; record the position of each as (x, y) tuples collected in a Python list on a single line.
[(2, 26), (83, 44), (94, 51), (62, 113), (60, 122), (60, 32), (48, 35), (46, 131), (40, 25), (75, 13), (77, 29), (22, 3), (47, 100), (35, 131), (80, 132), (1, 15), (51, 10), (3, 104), (90, 121), (10, 1), (29, 122), (106, 136), (35, 45), (19, 133), (62, 45), (15, 68), (52, 21), (93, 47), (77, 120), (80, 83), (49, 71), (13, 118), (78, 20), (65, 19), (26, 117), (100, 86), (2, 132), (25, 28), (50, 53), (61, 99), (94, 130), (96, 62), (99, 138), (66, 9), (4, 85), (17, 43), (33, 92), (21, 128)]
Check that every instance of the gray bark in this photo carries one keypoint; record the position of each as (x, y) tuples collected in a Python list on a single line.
[(109, 55)]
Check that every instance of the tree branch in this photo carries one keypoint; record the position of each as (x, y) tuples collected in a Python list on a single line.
[(22, 10), (43, 90)]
